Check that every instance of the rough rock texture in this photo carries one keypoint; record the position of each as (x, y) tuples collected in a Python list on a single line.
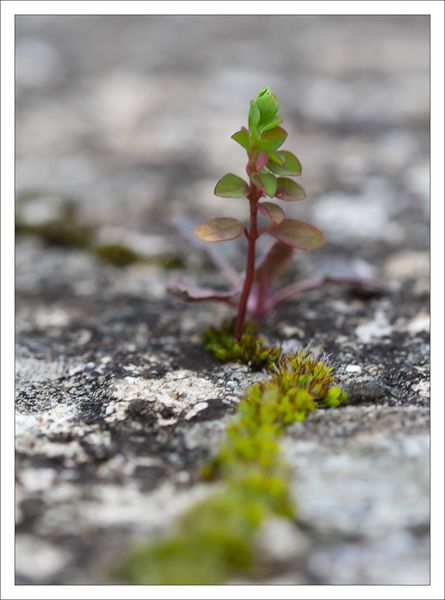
[(117, 404)]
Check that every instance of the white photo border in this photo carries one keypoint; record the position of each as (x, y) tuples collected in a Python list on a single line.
[(9, 9)]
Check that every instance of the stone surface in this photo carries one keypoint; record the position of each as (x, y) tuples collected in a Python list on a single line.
[(117, 404)]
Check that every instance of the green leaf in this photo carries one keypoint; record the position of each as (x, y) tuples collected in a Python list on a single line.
[(276, 158), (272, 211), (276, 121), (267, 103), (266, 182), (288, 189), (291, 166), (254, 136), (254, 115), (273, 139), (231, 186), (298, 234), (242, 137), (219, 230)]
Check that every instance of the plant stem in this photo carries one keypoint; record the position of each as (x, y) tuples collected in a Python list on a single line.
[(253, 197)]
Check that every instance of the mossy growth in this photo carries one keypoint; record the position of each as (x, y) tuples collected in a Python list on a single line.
[(116, 254), (64, 233), (299, 385), (249, 350), (62, 227), (215, 540)]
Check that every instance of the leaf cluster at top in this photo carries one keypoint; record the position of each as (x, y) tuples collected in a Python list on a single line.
[(270, 169)]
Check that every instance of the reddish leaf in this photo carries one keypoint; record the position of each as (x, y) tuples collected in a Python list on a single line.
[(271, 211), (188, 291), (261, 160), (288, 189), (275, 261), (298, 234), (217, 254), (219, 230)]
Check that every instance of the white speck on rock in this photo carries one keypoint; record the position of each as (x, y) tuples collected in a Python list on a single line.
[(47, 316), (406, 265), (353, 369), (377, 328), (37, 559), (128, 505), (32, 369), (423, 388), (36, 480), (207, 434), (291, 346), (291, 330), (420, 323), (195, 410), (180, 390), (364, 216), (280, 541), (76, 368), (51, 422)]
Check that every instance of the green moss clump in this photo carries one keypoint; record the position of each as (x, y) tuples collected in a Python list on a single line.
[(116, 254), (215, 540), (167, 262), (64, 229), (249, 350), (299, 385), (64, 233)]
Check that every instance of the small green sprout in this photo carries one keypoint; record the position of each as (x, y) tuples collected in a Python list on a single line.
[(270, 170)]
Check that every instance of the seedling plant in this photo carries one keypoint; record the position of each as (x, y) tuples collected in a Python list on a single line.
[(269, 169)]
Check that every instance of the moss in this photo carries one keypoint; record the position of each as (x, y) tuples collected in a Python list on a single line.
[(123, 256), (299, 385), (116, 254), (64, 233), (166, 261), (215, 540), (249, 350), (66, 230), (63, 229), (212, 542)]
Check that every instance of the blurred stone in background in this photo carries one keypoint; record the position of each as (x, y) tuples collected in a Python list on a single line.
[(124, 122)]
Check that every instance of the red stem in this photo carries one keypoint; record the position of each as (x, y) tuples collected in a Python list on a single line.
[(252, 237)]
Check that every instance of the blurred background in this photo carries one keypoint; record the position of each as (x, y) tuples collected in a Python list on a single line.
[(123, 123), (130, 119)]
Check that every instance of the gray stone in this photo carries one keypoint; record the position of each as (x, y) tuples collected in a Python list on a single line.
[(129, 120)]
